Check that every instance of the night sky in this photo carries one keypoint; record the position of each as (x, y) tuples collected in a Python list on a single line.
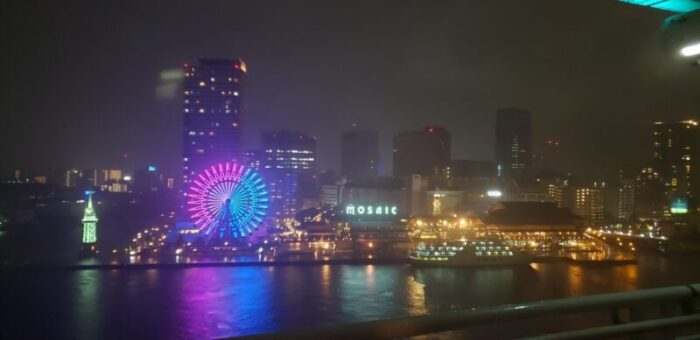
[(79, 82)]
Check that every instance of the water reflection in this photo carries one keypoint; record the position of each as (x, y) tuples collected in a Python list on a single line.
[(212, 302), (575, 280), (415, 296), (368, 291), (457, 288), (326, 281), (87, 316), (216, 303)]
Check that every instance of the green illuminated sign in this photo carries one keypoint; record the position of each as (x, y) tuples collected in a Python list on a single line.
[(380, 210), (679, 206)]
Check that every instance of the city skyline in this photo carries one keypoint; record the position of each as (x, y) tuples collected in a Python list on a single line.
[(458, 80), (350, 169)]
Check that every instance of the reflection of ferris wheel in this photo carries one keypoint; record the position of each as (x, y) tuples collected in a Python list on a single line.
[(227, 200)]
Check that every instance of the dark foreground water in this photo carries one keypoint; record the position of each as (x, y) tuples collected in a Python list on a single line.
[(226, 301)]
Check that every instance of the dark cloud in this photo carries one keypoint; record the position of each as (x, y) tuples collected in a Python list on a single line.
[(78, 81)]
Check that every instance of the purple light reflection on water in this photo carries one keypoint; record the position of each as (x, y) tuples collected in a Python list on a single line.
[(215, 303), (211, 302)]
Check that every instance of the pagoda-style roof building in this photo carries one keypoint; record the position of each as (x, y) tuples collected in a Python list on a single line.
[(531, 216)]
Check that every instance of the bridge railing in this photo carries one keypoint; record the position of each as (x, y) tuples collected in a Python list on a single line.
[(635, 312)]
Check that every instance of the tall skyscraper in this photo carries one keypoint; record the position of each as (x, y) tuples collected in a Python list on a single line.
[(426, 152), (288, 166), (649, 198), (359, 153), (619, 199), (288, 150), (676, 158), (254, 159), (587, 201), (513, 149), (213, 92), (147, 181)]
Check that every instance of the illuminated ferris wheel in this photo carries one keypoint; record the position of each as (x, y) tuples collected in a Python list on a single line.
[(227, 200)]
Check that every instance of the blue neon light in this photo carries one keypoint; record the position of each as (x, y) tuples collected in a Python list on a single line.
[(677, 6), (151, 168)]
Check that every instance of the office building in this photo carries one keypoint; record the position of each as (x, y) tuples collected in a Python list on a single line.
[(212, 105), (110, 175), (675, 155), (425, 152), (253, 159), (359, 154), (147, 180), (587, 201), (649, 197), (288, 150), (619, 199), (288, 164), (464, 168), (513, 148)]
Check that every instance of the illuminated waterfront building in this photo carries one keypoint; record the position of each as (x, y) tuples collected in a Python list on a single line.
[(70, 178), (587, 201), (212, 107), (625, 203), (119, 187), (331, 194), (513, 148), (425, 152), (649, 200), (332, 189), (537, 226), (111, 175), (619, 200), (288, 165), (359, 154), (253, 158), (89, 223), (377, 191), (288, 150), (675, 154), (284, 193), (554, 192), (511, 216)]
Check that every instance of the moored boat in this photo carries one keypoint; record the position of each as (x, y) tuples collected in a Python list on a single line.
[(468, 253)]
